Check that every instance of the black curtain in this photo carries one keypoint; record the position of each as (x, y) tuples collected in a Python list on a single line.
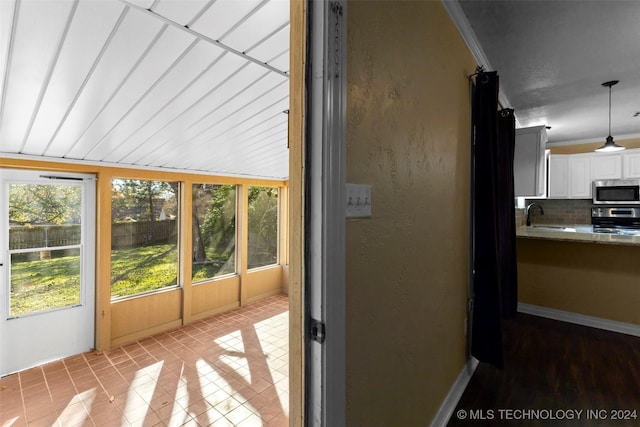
[(494, 262), (506, 214)]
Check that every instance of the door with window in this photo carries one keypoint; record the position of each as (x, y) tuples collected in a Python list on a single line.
[(47, 268)]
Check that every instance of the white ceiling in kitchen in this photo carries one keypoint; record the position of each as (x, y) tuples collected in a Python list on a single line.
[(197, 85), (552, 57)]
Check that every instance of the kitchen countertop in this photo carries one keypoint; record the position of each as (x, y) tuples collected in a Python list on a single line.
[(575, 233)]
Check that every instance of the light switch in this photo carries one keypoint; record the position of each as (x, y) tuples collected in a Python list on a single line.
[(358, 201)]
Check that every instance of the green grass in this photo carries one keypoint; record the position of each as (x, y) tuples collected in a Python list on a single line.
[(44, 284), (217, 266), (143, 269), (53, 283)]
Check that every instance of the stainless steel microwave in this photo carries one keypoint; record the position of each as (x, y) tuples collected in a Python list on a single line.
[(616, 192)]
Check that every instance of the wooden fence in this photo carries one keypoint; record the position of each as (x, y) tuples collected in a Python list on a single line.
[(145, 233), (123, 235), (43, 236)]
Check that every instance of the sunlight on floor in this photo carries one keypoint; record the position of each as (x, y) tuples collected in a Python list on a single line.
[(231, 370), (71, 415)]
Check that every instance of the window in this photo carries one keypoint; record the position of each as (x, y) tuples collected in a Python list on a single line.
[(144, 236), (44, 246), (263, 226), (213, 231)]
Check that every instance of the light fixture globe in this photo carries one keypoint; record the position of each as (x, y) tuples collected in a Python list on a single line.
[(610, 145)]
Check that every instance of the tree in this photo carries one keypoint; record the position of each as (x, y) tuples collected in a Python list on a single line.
[(213, 211), (37, 204), (142, 200), (263, 225)]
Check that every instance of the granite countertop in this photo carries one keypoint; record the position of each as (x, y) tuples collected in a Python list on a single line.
[(575, 233)]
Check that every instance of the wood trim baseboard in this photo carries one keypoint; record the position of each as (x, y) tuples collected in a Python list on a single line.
[(125, 339), (580, 319), (264, 295), (455, 393), (214, 311)]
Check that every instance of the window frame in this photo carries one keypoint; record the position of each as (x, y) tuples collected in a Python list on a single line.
[(278, 260), (179, 282), (237, 244)]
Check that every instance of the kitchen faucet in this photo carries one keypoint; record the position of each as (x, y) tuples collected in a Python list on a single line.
[(529, 212)]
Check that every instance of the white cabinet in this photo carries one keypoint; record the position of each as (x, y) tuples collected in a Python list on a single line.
[(570, 176), (606, 166), (631, 164), (529, 165), (580, 176), (558, 176)]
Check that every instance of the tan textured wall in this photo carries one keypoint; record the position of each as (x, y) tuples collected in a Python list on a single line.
[(406, 267), (586, 278)]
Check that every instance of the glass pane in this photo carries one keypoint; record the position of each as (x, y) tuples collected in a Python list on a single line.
[(263, 226), (214, 231), (43, 216), (144, 236), (44, 280)]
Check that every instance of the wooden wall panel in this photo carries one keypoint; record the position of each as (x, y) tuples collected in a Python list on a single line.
[(263, 282), (285, 279), (103, 262), (135, 318), (215, 297), (296, 210)]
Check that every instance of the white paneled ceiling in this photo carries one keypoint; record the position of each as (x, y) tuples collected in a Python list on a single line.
[(196, 85)]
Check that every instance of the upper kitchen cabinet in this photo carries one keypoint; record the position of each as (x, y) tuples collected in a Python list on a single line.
[(580, 176), (529, 166), (606, 166), (558, 176), (570, 176), (631, 164)]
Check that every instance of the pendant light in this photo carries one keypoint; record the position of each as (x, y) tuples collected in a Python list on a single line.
[(610, 145)]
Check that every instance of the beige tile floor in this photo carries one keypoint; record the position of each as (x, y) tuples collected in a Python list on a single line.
[(226, 370)]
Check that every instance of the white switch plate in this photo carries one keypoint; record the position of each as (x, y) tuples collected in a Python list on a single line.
[(358, 201)]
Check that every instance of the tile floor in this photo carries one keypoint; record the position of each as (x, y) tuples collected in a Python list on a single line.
[(227, 370)]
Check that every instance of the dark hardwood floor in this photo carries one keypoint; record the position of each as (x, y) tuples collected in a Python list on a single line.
[(556, 374)]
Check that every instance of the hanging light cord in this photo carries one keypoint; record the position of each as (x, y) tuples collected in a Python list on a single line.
[(609, 110)]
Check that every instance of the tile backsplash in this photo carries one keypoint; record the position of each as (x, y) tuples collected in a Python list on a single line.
[(557, 211)]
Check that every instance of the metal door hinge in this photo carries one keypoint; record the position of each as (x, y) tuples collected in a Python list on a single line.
[(317, 330), (336, 8)]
